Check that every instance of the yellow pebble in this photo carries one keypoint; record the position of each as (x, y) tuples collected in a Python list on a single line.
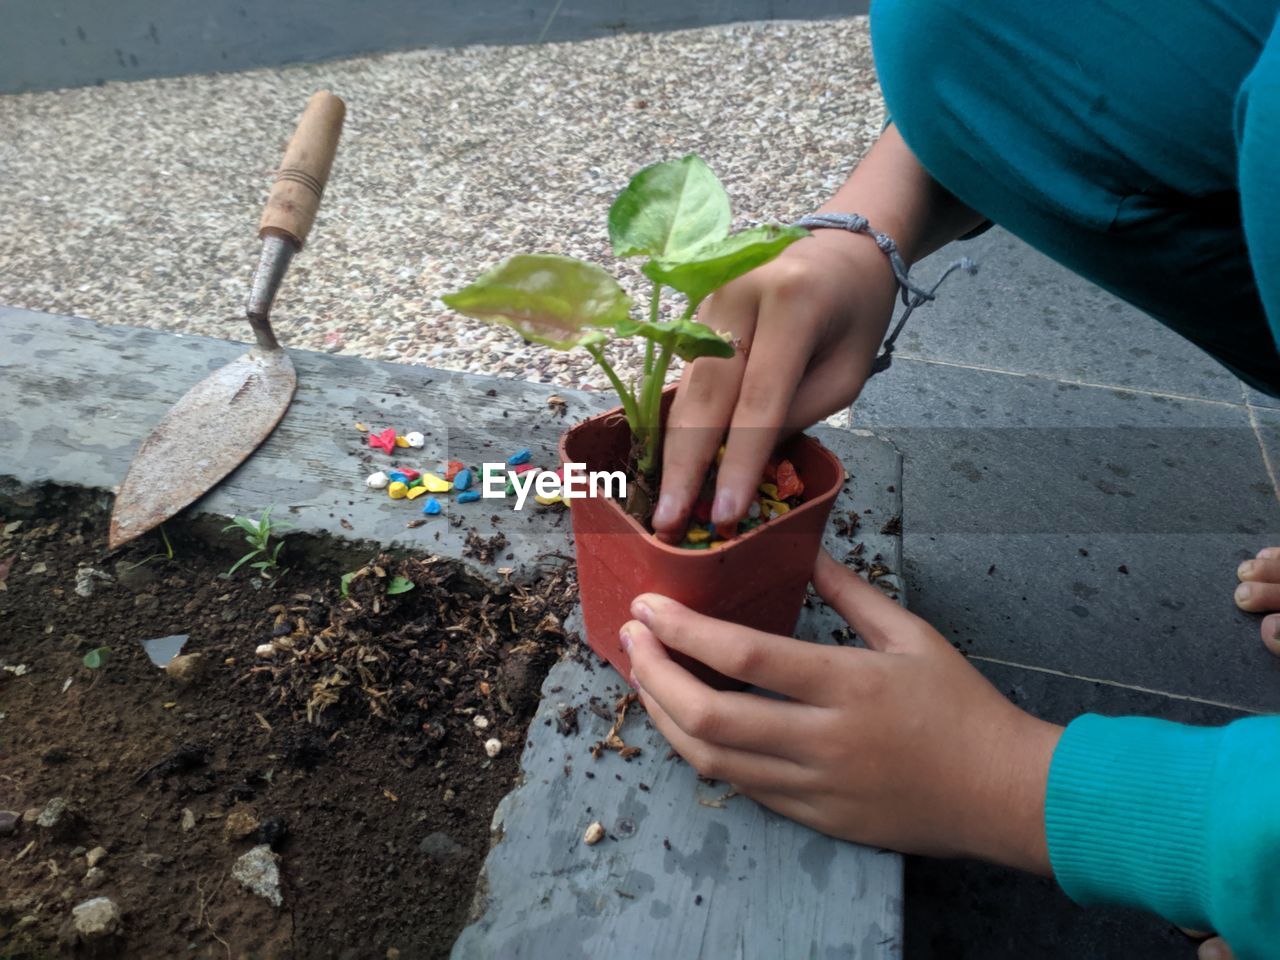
[(547, 501), (434, 483), (361, 427), (775, 508), (720, 455), (717, 544), (770, 490), (397, 490), (698, 535), (402, 441), (413, 493)]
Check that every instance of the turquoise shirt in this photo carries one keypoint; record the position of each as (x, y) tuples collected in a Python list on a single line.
[(1138, 143)]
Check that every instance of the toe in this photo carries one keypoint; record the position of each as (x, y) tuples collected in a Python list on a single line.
[(1271, 633), (1263, 569), (1257, 597), (1214, 949)]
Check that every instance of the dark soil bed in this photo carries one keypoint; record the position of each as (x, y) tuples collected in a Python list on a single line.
[(356, 751)]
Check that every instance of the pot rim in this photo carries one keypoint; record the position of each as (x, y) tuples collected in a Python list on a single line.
[(729, 543)]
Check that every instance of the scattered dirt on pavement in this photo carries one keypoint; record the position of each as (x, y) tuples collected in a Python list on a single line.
[(353, 752)]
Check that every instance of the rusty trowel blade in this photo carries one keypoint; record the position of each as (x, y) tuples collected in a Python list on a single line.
[(206, 435)]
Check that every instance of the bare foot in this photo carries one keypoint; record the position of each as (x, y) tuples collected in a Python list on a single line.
[(1259, 592)]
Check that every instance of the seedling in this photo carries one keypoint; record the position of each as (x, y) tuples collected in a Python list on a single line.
[(97, 658), (677, 215), (258, 535), (399, 585)]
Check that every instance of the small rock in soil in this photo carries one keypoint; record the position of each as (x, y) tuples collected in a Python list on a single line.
[(186, 667), (594, 834), (272, 831), (239, 824), (188, 820), (493, 746), (60, 819), (9, 822), (95, 856), (31, 815), (96, 920), (440, 847), (95, 877), (87, 578), (258, 871)]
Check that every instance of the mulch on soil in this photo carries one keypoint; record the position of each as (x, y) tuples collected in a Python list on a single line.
[(356, 750)]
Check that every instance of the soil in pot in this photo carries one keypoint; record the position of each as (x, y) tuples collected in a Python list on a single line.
[(378, 807)]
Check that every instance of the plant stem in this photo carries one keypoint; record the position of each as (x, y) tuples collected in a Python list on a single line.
[(651, 412), (653, 318), (628, 399)]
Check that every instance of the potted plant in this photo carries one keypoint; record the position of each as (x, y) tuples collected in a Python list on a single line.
[(677, 214)]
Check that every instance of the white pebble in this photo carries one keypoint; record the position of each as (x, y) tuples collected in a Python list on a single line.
[(378, 480), (753, 511), (493, 746), (481, 723), (594, 834), (265, 650), (415, 439)]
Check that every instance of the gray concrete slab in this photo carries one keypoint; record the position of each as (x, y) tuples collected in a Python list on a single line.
[(77, 398), (1026, 314), (963, 910), (46, 44), (1085, 530), (684, 872)]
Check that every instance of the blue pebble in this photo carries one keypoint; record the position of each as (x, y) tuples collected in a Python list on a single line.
[(469, 496), (524, 456), (396, 475), (462, 480), (711, 529), (432, 507)]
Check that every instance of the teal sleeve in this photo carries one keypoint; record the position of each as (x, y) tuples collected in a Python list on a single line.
[(1257, 126), (1181, 821)]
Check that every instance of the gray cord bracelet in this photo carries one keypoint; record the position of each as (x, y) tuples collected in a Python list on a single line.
[(912, 296)]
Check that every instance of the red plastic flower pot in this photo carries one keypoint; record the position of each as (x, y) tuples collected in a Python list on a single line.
[(757, 579)]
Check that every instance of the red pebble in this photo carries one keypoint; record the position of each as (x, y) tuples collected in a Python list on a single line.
[(409, 473), (702, 511), (523, 468), (789, 484), (386, 440), (453, 468)]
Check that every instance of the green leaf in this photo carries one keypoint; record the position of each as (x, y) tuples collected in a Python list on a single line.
[(97, 657), (669, 210), (399, 585), (688, 339), (717, 264), (346, 582), (239, 563), (546, 298)]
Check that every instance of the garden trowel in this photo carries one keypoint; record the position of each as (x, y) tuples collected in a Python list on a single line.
[(223, 419)]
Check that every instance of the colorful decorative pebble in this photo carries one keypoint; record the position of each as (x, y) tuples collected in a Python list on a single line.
[(409, 473), (469, 496), (378, 481), (524, 456), (697, 535), (789, 484), (770, 490), (774, 508), (523, 468), (397, 490), (453, 468), (436, 483), (461, 480), (398, 476), (413, 493), (361, 427), (753, 511), (431, 507), (386, 440), (415, 439), (402, 442)]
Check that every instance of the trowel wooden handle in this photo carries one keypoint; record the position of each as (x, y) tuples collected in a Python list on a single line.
[(295, 195)]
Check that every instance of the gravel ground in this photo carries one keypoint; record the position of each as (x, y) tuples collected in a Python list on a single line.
[(137, 203)]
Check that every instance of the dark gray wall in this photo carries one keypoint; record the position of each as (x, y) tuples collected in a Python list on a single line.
[(46, 44)]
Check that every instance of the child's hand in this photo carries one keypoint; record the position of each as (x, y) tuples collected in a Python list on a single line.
[(808, 325), (901, 745)]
